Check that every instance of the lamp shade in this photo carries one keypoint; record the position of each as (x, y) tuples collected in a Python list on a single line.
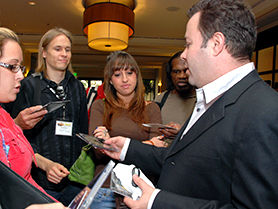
[(108, 25)]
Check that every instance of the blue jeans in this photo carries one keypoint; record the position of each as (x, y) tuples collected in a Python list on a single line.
[(67, 194), (104, 199)]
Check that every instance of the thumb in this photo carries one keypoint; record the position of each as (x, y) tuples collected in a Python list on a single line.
[(139, 182), (128, 201)]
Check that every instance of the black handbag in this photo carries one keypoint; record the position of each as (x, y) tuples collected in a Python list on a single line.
[(16, 192)]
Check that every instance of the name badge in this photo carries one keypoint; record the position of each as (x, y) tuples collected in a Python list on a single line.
[(63, 128)]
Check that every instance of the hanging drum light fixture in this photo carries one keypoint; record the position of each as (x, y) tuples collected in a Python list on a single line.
[(108, 23)]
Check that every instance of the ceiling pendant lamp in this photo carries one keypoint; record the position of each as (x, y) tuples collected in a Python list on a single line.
[(108, 23)]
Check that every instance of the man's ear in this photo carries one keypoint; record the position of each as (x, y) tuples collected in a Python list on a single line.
[(218, 43)]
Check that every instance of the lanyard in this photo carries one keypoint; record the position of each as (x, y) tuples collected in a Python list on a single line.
[(61, 95), (5, 147), (59, 92)]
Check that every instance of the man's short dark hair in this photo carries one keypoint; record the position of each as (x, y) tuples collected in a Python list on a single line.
[(233, 19)]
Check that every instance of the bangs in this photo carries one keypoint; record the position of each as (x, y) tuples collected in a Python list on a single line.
[(123, 66), (120, 61)]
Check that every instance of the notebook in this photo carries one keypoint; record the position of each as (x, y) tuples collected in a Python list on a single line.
[(16, 192)]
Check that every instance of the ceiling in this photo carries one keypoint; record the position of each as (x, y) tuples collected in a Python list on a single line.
[(159, 29)]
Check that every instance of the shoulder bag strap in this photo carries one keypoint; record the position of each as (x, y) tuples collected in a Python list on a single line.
[(163, 100)]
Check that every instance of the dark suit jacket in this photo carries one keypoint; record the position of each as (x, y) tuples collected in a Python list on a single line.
[(229, 157)]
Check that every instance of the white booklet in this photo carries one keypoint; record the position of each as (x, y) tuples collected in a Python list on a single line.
[(85, 198), (122, 183)]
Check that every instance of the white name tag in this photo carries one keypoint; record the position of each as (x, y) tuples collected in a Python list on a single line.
[(63, 128)]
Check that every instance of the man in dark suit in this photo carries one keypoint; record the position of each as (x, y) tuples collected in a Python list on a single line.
[(226, 155)]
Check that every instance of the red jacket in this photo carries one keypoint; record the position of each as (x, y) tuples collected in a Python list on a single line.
[(20, 152)]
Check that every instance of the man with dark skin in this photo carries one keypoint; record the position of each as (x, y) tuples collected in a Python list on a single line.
[(177, 102)]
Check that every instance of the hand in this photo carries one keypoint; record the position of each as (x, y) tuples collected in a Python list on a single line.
[(82, 193), (170, 132), (28, 117), (55, 172), (101, 132), (47, 206), (118, 143), (147, 191), (157, 141)]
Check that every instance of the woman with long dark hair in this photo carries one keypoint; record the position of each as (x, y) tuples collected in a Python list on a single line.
[(122, 112)]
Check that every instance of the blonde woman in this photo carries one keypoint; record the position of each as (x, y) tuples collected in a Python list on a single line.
[(15, 150)]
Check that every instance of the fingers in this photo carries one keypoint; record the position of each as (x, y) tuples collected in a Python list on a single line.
[(29, 117), (117, 143), (37, 111), (130, 202), (57, 172), (63, 170), (139, 182), (176, 126), (101, 132), (60, 171), (99, 129), (148, 142), (173, 131), (158, 143), (146, 194), (82, 193), (54, 179), (34, 111), (160, 137), (103, 135), (112, 154), (168, 132)]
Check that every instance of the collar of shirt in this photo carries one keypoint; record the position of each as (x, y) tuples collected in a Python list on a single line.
[(208, 94), (215, 89)]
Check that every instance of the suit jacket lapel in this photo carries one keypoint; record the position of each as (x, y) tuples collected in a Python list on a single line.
[(208, 119), (215, 113), (176, 140)]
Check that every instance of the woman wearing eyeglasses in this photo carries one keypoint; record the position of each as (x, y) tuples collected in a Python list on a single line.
[(15, 150)]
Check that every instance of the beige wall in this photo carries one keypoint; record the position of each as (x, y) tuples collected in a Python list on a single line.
[(265, 59)]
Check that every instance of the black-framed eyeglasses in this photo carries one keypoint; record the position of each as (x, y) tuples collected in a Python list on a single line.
[(13, 68)]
